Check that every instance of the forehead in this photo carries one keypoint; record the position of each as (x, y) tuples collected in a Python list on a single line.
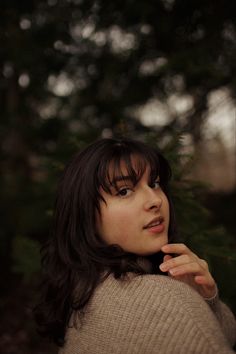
[(130, 168), (134, 165), (118, 164)]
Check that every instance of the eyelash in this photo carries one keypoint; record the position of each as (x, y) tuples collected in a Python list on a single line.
[(157, 182), (119, 193)]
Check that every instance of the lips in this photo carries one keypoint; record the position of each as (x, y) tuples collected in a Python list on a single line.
[(154, 222)]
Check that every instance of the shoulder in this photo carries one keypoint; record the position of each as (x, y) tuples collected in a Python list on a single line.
[(143, 287), (159, 304), (146, 314), (150, 296)]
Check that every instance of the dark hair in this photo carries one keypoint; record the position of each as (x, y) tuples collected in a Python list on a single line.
[(76, 259)]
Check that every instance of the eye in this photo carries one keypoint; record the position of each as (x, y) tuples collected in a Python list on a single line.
[(124, 192), (155, 184)]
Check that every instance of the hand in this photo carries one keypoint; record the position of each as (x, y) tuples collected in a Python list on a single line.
[(189, 268)]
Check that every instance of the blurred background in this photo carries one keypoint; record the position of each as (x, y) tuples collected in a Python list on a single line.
[(72, 71)]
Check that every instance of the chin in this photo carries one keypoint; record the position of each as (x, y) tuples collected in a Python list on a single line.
[(149, 252)]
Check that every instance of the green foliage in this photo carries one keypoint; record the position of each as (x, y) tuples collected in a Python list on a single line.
[(111, 57), (193, 217), (26, 257), (197, 227)]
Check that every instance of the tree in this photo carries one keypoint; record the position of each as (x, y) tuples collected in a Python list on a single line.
[(73, 70)]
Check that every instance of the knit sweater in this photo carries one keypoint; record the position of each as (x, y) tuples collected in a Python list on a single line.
[(150, 314)]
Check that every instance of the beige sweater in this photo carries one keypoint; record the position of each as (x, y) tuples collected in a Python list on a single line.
[(150, 314)]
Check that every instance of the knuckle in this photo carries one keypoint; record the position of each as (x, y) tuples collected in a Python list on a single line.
[(204, 263), (183, 246), (187, 258), (173, 262)]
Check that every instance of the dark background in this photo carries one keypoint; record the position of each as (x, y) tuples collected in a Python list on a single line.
[(72, 71)]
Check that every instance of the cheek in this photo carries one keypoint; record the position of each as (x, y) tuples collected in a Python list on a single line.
[(166, 208), (100, 220), (116, 218), (114, 224)]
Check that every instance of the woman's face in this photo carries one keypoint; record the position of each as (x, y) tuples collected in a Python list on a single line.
[(134, 217)]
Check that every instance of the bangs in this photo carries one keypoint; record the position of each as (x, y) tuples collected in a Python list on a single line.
[(124, 163)]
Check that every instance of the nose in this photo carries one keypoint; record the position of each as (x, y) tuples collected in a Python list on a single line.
[(153, 200)]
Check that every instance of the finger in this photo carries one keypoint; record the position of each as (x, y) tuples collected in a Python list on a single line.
[(182, 259), (202, 280), (167, 258), (179, 248), (190, 268), (204, 264), (176, 261)]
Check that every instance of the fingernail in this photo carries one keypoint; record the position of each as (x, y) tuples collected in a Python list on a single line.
[(163, 267), (173, 271)]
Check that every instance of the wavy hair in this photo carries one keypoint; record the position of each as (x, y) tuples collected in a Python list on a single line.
[(76, 259)]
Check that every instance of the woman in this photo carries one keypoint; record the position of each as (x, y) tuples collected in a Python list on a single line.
[(116, 280)]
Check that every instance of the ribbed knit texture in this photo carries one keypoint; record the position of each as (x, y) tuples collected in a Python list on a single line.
[(150, 314)]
